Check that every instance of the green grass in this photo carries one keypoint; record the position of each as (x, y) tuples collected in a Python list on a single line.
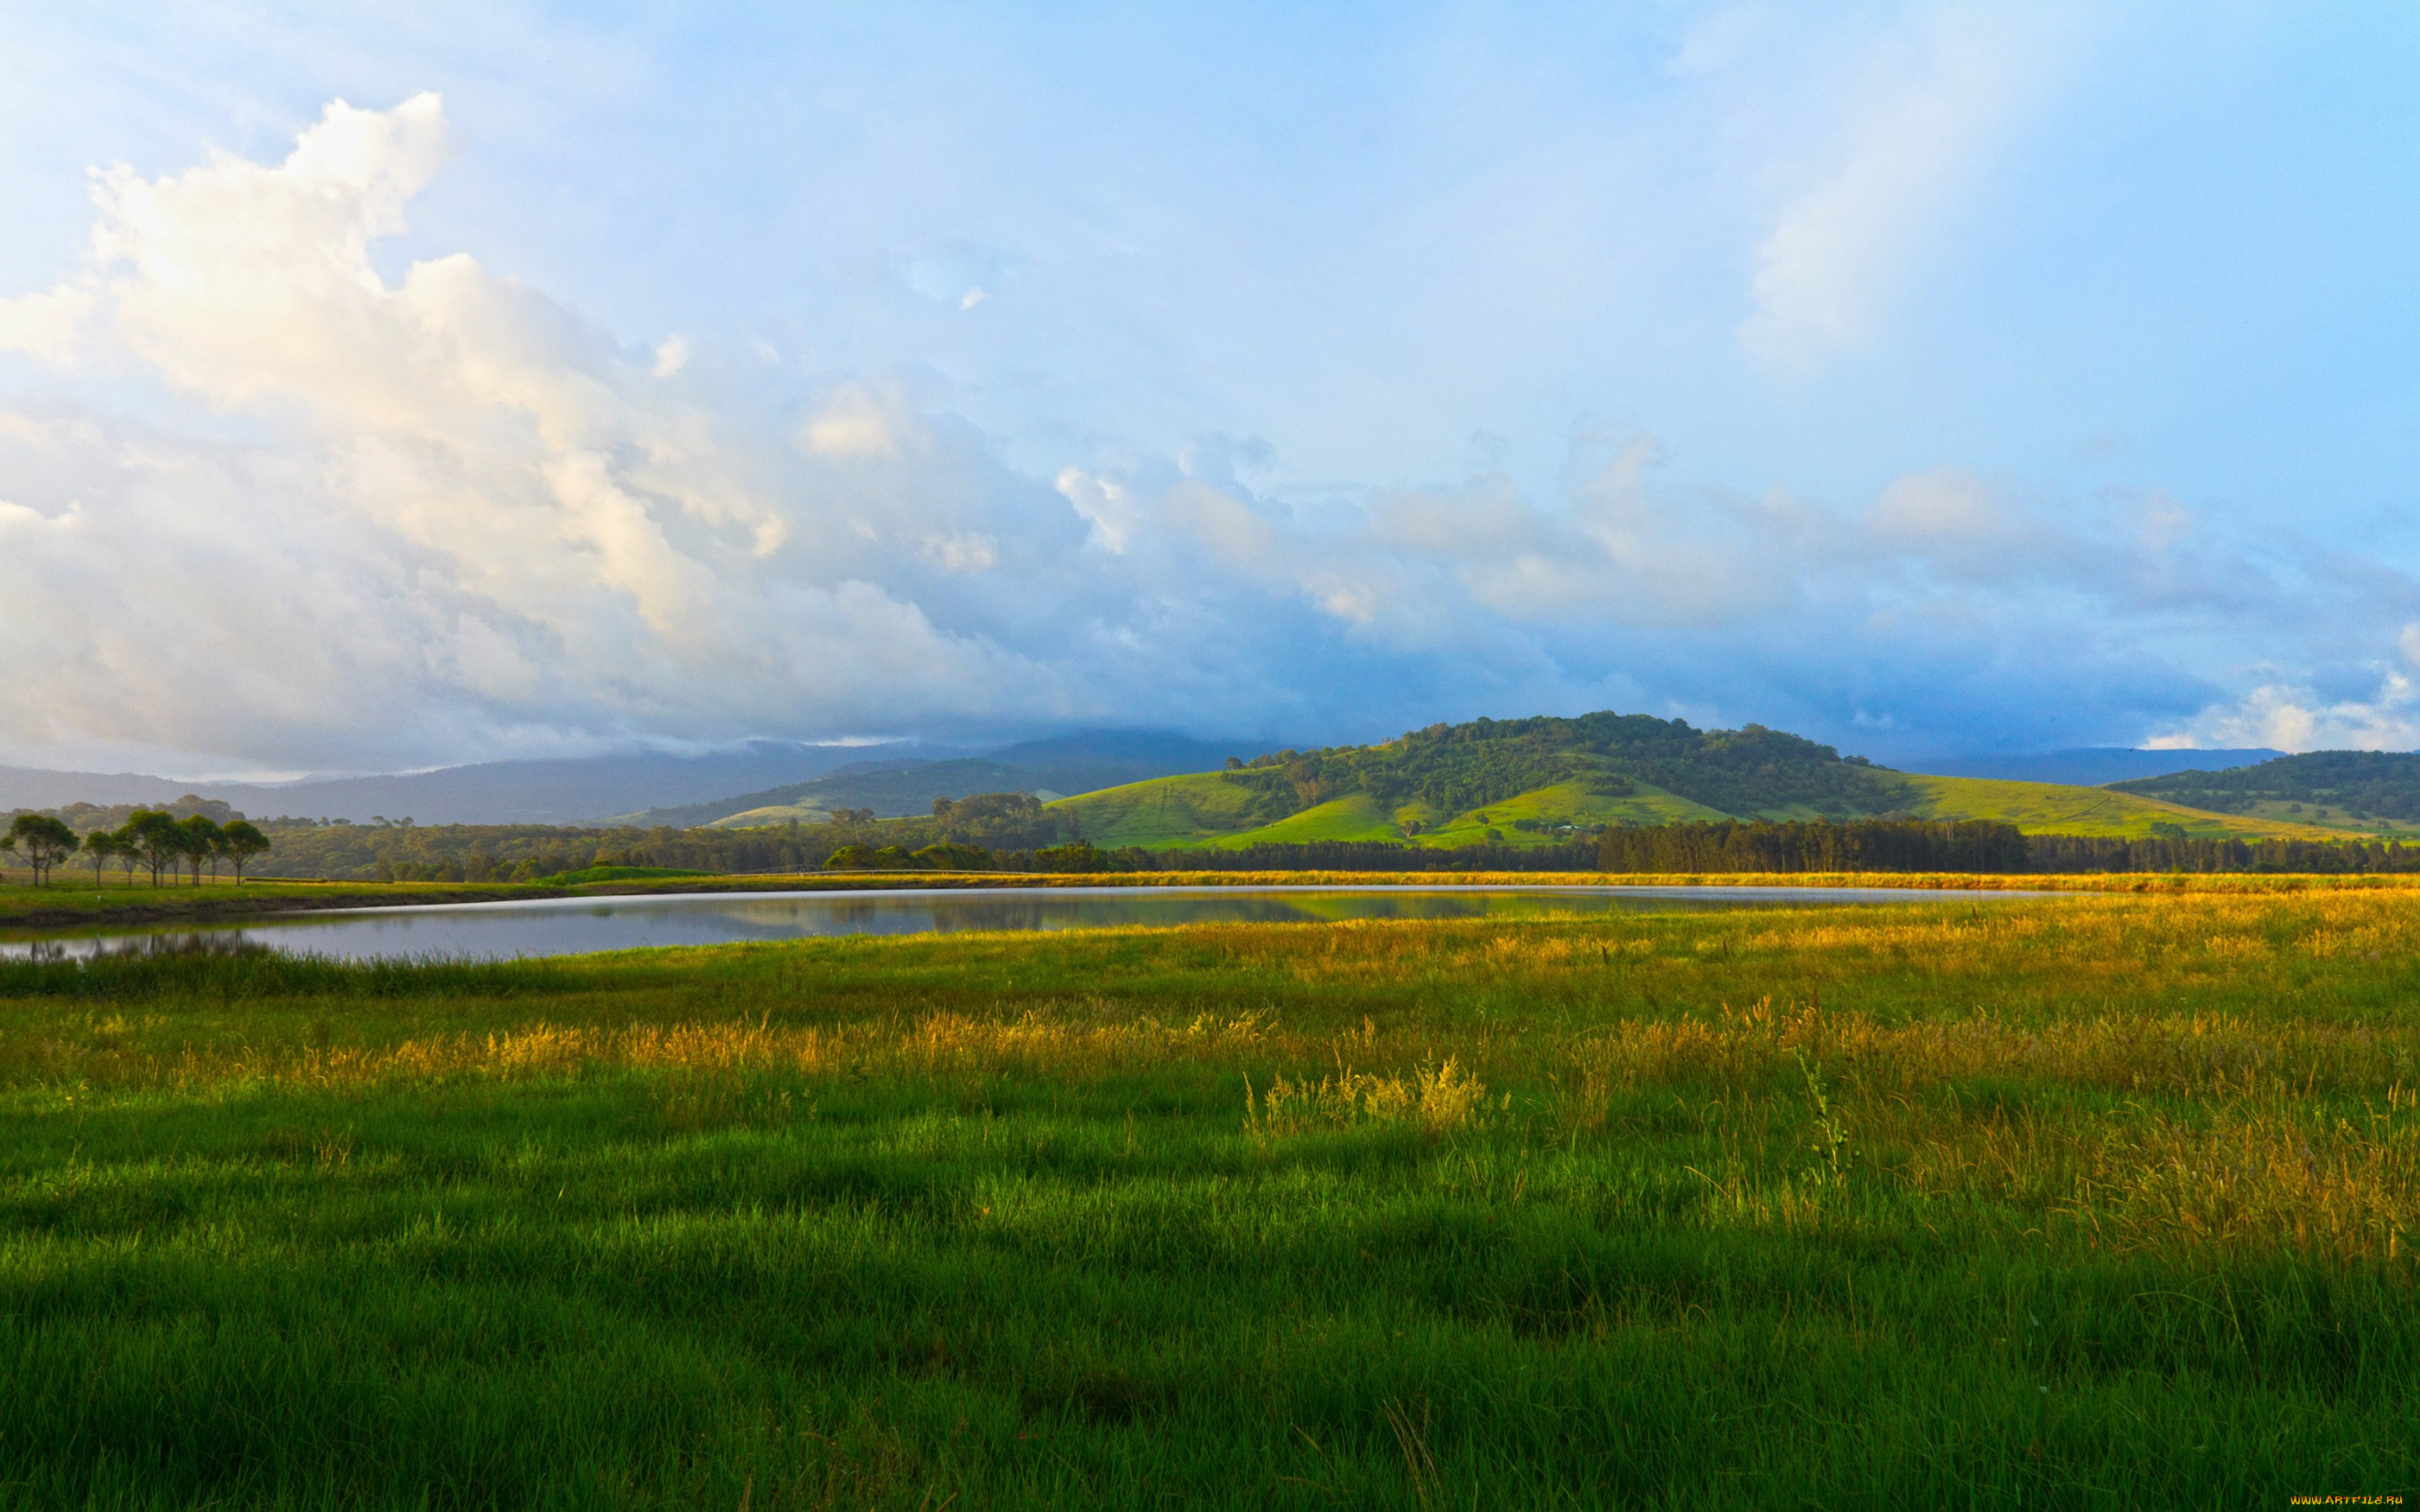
[(2085, 1202), (1569, 802), (2328, 819), (1163, 811), (620, 874), (1354, 817), (1202, 809), (2053, 808), (772, 813), (73, 898)]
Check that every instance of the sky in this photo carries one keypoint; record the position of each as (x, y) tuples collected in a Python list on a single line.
[(400, 384)]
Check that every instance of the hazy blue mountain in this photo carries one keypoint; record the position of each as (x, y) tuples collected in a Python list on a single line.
[(653, 787), (567, 791), (1060, 766), (2090, 766), (1095, 760), (37, 788)]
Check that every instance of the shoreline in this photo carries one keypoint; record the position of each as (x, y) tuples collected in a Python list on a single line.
[(61, 906)]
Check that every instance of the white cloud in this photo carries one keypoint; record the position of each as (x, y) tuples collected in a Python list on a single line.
[(436, 516), (859, 421), (2288, 716), (1916, 123), (1110, 507), (472, 499)]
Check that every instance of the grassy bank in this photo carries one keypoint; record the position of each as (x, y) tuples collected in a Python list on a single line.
[(2099, 1201)]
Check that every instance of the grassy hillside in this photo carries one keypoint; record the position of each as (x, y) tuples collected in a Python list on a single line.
[(1208, 809), (1358, 818), (2370, 792), (1161, 812), (2051, 808), (1205, 809)]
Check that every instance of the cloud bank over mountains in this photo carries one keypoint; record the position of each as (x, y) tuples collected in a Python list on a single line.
[(277, 503)]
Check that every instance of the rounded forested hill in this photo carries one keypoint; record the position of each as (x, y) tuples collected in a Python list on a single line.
[(1458, 767), (2364, 784)]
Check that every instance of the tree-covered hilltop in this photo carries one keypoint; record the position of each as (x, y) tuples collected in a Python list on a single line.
[(2360, 785), (1454, 767)]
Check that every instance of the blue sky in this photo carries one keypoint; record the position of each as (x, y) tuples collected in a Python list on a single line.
[(1925, 379)]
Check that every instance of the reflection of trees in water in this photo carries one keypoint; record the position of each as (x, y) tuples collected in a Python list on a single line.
[(189, 943)]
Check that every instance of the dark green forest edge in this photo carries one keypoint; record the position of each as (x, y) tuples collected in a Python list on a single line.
[(1798, 806)]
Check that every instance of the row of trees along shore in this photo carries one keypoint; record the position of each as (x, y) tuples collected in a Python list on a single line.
[(1976, 846), (150, 840), (1014, 832), (1973, 845)]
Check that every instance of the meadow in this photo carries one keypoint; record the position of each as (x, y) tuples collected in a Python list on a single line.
[(2092, 1201)]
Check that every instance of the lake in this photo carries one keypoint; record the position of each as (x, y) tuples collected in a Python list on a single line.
[(571, 927)]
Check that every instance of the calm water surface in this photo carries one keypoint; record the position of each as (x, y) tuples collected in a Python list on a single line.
[(570, 926)]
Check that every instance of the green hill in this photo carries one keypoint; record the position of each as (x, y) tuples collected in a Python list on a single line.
[(2054, 808), (1541, 781), (2370, 792)]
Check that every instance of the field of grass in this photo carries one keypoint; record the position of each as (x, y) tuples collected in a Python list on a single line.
[(2087, 1201), (2328, 819), (772, 813), (621, 874), (2054, 808)]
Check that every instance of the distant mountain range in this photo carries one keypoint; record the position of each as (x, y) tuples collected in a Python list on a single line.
[(892, 789), (567, 791), (1542, 776), (643, 787)]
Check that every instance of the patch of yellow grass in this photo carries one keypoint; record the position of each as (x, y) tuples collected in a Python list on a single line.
[(1435, 1099)]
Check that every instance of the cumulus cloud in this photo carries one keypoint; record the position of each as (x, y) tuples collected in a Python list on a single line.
[(2289, 714), (523, 523), (369, 519)]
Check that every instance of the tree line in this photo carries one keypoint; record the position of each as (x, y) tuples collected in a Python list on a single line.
[(1013, 831), (150, 840), (2084, 852), (1731, 846)]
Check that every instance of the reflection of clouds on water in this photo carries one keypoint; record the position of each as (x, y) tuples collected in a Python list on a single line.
[(498, 931)]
